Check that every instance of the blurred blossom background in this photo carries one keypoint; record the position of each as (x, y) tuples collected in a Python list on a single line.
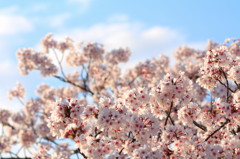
[(148, 28)]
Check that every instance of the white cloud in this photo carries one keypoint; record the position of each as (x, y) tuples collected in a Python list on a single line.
[(9, 10), (198, 45), (38, 8), (163, 34), (7, 68), (11, 25), (10, 75), (118, 18), (5, 103), (58, 20), (145, 42), (82, 4), (14, 24)]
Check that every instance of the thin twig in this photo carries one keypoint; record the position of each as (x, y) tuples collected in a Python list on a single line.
[(59, 63), (52, 141), (11, 153), (226, 122), (228, 88), (7, 124), (79, 151), (74, 84), (121, 151), (211, 109), (225, 85), (168, 114), (19, 150), (159, 135), (238, 86), (77, 155), (171, 120), (20, 101)]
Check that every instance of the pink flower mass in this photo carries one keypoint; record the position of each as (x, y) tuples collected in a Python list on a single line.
[(189, 110)]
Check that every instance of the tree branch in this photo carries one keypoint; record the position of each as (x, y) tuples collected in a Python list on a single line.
[(238, 86), (7, 124), (121, 151), (226, 122), (204, 128), (168, 114), (228, 88), (224, 85), (74, 84), (79, 151)]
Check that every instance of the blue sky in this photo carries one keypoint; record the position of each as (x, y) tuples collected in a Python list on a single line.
[(148, 28)]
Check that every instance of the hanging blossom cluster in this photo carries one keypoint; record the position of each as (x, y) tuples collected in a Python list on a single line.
[(31, 60), (17, 92), (154, 110)]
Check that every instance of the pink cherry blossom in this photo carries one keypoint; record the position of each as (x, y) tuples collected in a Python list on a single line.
[(190, 109)]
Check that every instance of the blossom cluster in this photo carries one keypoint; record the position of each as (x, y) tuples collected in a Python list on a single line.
[(153, 110), (31, 60), (17, 92)]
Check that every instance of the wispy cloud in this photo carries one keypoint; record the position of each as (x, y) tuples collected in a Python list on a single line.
[(118, 18), (38, 8), (83, 2), (9, 10), (13, 24), (9, 76), (83, 5), (58, 20), (145, 42), (117, 31)]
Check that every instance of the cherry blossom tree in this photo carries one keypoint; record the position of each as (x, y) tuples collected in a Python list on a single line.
[(152, 111)]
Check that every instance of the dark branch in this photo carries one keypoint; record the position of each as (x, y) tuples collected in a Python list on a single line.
[(74, 84), (238, 86), (121, 151), (204, 128), (79, 151), (228, 88), (226, 122), (171, 120), (48, 139), (168, 114), (225, 85), (159, 135), (7, 124)]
